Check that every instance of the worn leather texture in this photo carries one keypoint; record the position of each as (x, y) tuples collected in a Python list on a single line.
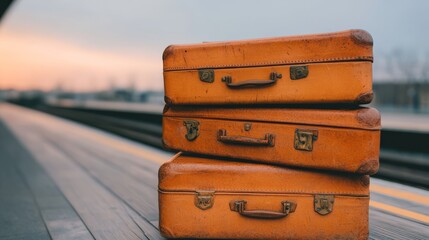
[(339, 70), (264, 187), (347, 140)]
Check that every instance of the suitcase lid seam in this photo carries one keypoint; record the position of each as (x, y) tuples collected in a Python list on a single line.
[(250, 191), (364, 128), (347, 59)]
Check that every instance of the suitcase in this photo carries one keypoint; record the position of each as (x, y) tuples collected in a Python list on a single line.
[(322, 68), (206, 198), (341, 140)]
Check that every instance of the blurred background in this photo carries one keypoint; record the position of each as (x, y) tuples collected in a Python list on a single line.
[(111, 50), (89, 60)]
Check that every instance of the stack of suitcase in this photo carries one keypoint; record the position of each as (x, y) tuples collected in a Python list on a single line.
[(274, 142)]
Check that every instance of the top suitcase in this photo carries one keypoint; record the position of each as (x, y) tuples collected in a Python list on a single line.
[(321, 68)]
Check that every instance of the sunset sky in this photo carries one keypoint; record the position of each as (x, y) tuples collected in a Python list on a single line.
[(86, 45)]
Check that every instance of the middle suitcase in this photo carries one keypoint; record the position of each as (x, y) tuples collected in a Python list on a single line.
[(344, 140)]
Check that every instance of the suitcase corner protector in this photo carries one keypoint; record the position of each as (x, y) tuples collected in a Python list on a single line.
[(168, 100), (362, 37), (369, 167), (365, 98), (168, 51)]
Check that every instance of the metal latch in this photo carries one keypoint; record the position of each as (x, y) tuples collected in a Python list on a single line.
[(192, 128), (304, 139), (204, 199), (298, 72), (323, 204), (206, 75)]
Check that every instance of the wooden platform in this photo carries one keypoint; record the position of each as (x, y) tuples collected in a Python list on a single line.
[(62, 180)]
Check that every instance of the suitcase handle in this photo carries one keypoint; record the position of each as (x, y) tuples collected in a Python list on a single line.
[(268, 139), (252, 83), (240, 207)]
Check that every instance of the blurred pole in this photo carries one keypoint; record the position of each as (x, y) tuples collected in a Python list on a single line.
[(4, 5), (416, 98)]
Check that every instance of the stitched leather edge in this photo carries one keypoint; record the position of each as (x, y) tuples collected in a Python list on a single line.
[(360, 58), (225, 191)]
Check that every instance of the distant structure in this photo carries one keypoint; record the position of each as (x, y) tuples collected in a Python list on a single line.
[(152, 97), (405, 96)]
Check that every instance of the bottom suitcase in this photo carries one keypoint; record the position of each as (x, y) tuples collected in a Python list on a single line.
[(209, 198)]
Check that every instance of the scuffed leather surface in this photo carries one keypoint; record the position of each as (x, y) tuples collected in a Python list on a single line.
[(263, 187), (190, 173), (359, 118), (348, 140), (351, 45), (339, 82), (339, 64)]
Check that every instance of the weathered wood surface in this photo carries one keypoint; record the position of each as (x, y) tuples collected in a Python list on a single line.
[(111, 186), (20, 217), (62, 180)]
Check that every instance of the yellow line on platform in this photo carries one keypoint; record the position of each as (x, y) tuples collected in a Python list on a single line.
[(400, 211), (131, 149), (396, 193)]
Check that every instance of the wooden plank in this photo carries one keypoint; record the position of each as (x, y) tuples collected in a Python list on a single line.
[(19, 214), (60, 218), (106, 216), (131, 164), (133, 187), (132, 179), (384, 225)]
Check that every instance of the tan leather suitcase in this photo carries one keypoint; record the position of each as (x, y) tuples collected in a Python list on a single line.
[(321, 68), (207, 198), (342, 140)]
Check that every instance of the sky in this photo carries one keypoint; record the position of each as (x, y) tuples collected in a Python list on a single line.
[(89, 45)]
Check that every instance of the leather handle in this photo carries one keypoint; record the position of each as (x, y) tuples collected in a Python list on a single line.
[(251, 83), (240, 207), (268, 139)]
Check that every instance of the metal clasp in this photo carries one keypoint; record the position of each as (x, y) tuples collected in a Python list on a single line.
[(192, 127), (298, 72), (206, 75), (323, 204), (304, 139), (247, 127), (204, 199)]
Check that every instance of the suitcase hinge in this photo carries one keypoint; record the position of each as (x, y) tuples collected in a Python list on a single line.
[(323, 204), (304, 139), (192, 127), (204, 199)]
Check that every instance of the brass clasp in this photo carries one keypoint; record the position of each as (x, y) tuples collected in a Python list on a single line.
[(204, 199), (206, 75), (298, 72), (192, 128), (304, 139), (323, 204)]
